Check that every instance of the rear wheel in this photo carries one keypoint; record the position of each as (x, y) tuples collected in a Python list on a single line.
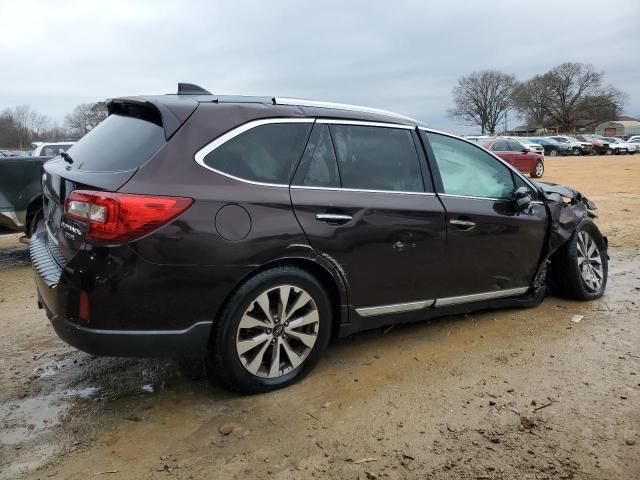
[(538, 170), (553, 153), (579, 269), (272, 331)]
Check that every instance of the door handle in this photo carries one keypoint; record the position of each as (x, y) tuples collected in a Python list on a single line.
[(333, 217), (463, 224)]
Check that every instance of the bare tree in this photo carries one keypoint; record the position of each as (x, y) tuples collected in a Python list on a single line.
[(483, 98), (566, 94), (529, 100), (85, 117)]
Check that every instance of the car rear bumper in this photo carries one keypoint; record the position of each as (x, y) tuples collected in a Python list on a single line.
[(192, 341)]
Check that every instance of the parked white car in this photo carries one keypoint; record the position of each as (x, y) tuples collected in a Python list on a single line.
[(50, 149), (634, 142), (620, 147)]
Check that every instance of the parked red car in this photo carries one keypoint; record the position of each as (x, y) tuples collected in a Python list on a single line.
[(517, 155)]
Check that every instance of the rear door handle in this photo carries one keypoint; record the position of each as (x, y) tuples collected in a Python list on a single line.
[(333, 217), (463, 224)]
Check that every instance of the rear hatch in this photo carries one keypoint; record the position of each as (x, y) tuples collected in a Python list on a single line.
[(104, 160)]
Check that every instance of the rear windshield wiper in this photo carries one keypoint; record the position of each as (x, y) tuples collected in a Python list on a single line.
[(67, 157)]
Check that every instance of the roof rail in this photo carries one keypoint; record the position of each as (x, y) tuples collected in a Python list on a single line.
[(191, 89), (339, 106)]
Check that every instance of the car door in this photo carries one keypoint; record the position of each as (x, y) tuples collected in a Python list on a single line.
[(492, 250), (501, 148), (520, 159), (366, 203)]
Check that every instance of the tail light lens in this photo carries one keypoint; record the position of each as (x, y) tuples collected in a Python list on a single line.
[(122, 217)]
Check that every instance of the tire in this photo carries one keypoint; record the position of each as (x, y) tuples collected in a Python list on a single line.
[(608, 152), (243, 319), (553, 153), (567, 278), (575, 152), (538, 170), (34, 218)]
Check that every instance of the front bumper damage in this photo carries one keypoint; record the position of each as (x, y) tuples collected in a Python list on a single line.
[(567, 209)]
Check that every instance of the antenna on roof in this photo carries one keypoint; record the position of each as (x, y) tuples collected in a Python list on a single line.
[(191, 89)]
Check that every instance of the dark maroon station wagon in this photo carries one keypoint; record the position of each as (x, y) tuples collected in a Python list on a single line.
[(254, 229)]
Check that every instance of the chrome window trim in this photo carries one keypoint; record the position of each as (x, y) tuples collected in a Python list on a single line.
[(245, 127), (471, 197), (394, 308), (475, 297), (514, 170), (364, 123), (340, 189), (299, 102)]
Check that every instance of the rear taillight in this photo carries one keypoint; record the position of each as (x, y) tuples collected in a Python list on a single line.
[(122, 217)]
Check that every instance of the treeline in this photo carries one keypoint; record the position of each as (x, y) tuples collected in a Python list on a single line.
[(22, 125), (562, 97)]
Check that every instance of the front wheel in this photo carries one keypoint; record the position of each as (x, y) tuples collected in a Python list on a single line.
[(272, 331), (576, 152), (580, 268), (538, 171), (553, 153)]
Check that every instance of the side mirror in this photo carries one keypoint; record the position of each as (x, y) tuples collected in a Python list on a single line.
[(525, 150), (522, 198)]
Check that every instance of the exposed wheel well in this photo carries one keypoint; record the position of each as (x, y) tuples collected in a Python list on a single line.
[(32, 210), (314, 268)]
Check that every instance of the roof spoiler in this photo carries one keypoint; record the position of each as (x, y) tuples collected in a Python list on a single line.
[(191, 89)]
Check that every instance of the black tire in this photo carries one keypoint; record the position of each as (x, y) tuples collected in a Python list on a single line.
[(33, 219), (608, 152), (538, 170), (223, 354), (565, 277), (575, 152), (553, 153)]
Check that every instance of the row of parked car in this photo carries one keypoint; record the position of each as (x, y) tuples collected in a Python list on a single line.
[(40, 149), (583, 144)]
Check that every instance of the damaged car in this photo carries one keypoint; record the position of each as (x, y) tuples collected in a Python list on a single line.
[(253, 230)]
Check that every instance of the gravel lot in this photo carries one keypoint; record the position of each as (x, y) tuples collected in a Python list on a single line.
[(527, 394)]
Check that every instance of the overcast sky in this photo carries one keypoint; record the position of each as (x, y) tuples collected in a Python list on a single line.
[(398, 55)]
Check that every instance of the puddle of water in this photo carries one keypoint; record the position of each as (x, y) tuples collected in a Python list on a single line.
[(14, 256), (25, 419)]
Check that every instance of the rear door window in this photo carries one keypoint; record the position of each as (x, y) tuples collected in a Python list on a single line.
[(321, 169), (266, 153), (377, 158), (119, 143)]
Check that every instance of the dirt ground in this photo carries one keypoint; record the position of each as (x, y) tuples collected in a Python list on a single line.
[(526, 394)]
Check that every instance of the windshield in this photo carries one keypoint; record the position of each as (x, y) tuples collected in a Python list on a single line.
[(119, 143)]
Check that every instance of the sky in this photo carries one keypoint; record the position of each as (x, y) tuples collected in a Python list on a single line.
[(403, 56)]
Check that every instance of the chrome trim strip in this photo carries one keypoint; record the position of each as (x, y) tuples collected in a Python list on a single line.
[(333, 216), (462, 223), (442, 302), (339, 189), (394, 308), (338, 106), (225, 137), (364, 123), (473, 198)]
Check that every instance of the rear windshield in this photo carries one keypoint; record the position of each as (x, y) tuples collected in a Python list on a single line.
[(118, 143)]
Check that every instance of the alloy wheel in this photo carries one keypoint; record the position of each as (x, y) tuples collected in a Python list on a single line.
[(539, 169), (589, 261), (277, 331)]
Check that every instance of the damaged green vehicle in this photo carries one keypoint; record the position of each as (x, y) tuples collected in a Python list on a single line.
[(20, 193)]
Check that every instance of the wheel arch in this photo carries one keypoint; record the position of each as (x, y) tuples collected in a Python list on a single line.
[(328, 274), (34, 205)]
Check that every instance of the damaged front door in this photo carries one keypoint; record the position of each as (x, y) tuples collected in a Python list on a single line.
[(492, 247)]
